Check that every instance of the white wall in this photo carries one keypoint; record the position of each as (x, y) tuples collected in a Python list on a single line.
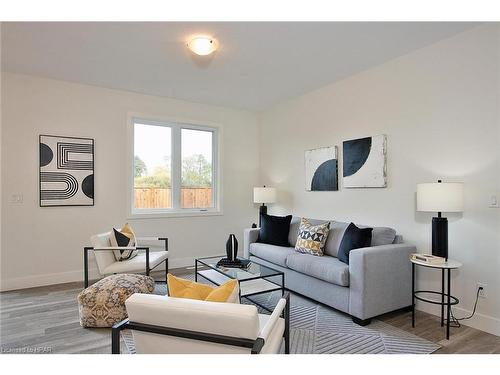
[(439, 109), (1, 75), (44, 245)]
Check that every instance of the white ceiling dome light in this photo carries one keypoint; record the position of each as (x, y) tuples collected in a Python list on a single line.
[(203, 45)]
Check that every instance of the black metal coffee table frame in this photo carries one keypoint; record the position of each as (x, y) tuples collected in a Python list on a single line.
[(274, 273)]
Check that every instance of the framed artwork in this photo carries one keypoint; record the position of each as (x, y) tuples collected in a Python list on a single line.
[(365, 162), (66, 171), (321, 168)]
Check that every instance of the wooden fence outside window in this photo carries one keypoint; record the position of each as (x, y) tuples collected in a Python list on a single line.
[(151, 197)]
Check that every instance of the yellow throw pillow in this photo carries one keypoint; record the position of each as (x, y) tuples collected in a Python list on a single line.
[(182, 288), (227, 292), (127, 231)]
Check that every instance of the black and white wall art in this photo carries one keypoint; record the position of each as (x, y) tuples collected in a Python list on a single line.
[(364, 163), (66, 171), (321, 166)]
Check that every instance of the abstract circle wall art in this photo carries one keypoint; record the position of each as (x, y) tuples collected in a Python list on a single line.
[(364, 162), (321, 167), (66, 171)]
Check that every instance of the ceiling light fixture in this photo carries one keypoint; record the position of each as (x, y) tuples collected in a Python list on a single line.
[(202, 45)]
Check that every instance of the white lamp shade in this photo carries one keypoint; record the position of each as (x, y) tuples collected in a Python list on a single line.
[(440, 197), (264, 195)]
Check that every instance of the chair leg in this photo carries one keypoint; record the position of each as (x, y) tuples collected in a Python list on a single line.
[(115, 335), (287, 340), (115, 340), (287, 324), (147, 262), (85, 267), (166, 269), (166, 260)]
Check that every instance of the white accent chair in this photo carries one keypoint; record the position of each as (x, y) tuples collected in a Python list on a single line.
[(107, 264), (167, 325)]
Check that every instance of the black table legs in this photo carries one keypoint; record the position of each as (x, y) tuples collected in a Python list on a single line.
[(447, 300), (442, 297), (448, 307), (413, 295)]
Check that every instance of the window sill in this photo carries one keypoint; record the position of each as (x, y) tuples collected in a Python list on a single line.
[(167, 214)]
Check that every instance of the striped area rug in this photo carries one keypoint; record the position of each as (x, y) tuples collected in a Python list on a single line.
[(317, 329)]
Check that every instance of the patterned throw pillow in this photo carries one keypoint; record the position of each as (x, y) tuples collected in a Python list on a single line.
[(124, 237), (312, 238)]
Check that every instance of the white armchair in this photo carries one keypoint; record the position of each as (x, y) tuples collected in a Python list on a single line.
[(167, 325), (107, 264)]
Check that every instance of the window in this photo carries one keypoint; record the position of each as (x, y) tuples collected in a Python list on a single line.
[(196, 171), (152, 166), (174, 168)]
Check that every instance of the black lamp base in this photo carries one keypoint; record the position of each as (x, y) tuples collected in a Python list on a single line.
[(440, 237), (262, 210)]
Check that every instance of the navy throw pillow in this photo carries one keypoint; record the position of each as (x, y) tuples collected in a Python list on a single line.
[(354, 238), (274, 229)]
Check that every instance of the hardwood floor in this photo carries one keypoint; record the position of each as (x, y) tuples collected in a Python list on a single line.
[(463, 340), (45, 320)]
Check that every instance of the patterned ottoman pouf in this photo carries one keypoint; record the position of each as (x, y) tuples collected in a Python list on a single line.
[(103, 303)]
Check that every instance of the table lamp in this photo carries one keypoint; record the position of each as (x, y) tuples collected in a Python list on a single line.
[(440, 197), (263, 195)]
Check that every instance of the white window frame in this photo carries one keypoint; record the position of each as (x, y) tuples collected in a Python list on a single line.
[(176, 127)]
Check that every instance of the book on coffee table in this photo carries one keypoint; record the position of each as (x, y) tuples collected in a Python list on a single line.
[(237, 263)]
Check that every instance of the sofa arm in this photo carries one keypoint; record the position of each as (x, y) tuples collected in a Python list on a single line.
[(379, 279), (250, 235)]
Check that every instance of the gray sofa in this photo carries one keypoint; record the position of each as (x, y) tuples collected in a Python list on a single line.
[(377, 279)]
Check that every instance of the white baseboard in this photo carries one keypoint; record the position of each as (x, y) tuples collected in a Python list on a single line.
[(71, 276), (177, 263), (482, 322), (42, 280)]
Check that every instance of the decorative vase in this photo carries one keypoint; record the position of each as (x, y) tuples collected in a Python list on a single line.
[(232, 247)]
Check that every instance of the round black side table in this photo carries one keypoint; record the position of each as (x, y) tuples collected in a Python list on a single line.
[(446, 298)]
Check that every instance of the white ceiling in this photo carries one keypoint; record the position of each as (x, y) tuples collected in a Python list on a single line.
[(257, 65)]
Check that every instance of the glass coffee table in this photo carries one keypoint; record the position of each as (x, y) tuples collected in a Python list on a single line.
[(254, 280)]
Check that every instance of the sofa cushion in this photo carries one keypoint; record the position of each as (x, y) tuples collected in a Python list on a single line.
[(333, 240), (380, 235), (337, 229), (294, 230), (383, 236), (271, 253), (325, 268)]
